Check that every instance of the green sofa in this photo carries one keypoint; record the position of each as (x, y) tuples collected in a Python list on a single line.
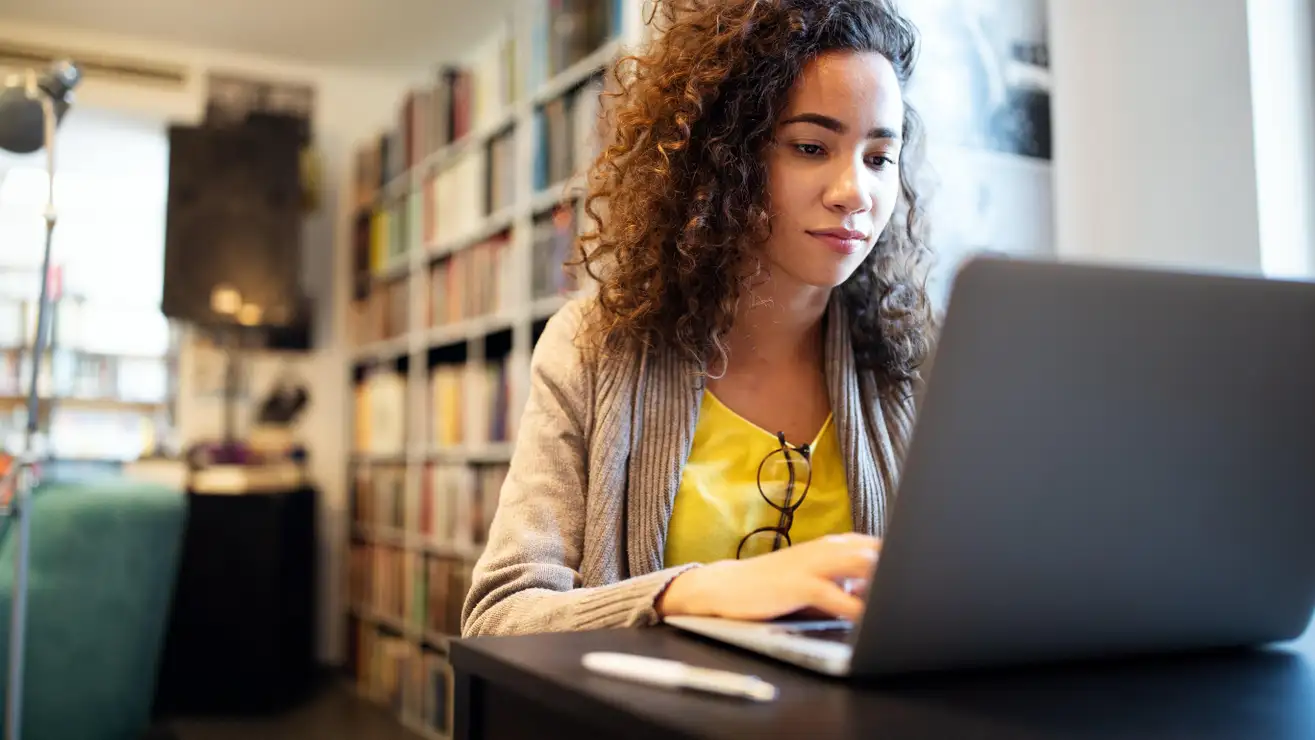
[(103, 560)]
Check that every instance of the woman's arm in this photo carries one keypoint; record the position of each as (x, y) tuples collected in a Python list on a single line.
[(529, 575)]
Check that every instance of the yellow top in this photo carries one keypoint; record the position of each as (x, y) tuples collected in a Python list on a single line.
[(718, 502)]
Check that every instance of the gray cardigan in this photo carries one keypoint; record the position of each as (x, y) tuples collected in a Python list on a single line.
[(578, 538)]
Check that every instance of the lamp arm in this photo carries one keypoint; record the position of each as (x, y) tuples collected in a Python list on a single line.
[(21, 504)]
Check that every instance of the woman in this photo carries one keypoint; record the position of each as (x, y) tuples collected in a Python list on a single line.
[(718, 431)]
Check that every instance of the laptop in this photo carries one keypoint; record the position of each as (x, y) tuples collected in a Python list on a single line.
[(1107, 461)]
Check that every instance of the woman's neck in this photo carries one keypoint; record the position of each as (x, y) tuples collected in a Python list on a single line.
[(778, 323)]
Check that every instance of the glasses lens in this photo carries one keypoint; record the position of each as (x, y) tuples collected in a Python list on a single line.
[(784, 477), (761, 543)]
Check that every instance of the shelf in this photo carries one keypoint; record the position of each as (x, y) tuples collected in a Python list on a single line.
[(372, 458), (477, 136), (494, 223), (577, 73), (397, 268), (379, 535), (395, 624), (467, 552), (467, 329), (440, 643), (436, 640), (415, 725), (88, 403), (569, 78), (465, 343), (551, 196), (491, 453), (395, 188), (396, 537), (545, 307), (386, 349), (404, 183)]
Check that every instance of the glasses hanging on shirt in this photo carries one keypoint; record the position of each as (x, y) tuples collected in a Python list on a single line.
[(783, 480)]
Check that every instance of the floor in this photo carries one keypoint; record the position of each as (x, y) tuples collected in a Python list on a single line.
[(334, 714)]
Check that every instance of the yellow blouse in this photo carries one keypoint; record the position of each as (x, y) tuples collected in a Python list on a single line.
[(718, 502)]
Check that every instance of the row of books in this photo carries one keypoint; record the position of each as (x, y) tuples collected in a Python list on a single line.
[(454, 200), (436, 114), (454, 507), (461, 99), (569, 130), (421, 592), (554, 246), (380, 313), (384, 234), (457, 503), (502, 172), (378, 496), (400, 673), (472, 282), (77, 375), (380, 418), (566, 31), (470, 403)]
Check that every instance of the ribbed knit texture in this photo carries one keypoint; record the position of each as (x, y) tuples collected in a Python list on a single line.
[(581, 525)]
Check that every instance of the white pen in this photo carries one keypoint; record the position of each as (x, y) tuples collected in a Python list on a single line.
[(675, 675)]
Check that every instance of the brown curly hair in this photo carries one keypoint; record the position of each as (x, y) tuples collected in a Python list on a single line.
[(679, 196)]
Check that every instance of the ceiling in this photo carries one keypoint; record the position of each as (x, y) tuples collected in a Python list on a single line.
[(356, 33)]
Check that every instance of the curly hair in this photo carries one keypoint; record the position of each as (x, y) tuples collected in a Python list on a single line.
[(679, 195)]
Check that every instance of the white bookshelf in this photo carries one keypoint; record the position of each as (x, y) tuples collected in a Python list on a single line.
[(519, 314)]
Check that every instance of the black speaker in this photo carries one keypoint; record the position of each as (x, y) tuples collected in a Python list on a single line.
[(233, 227)]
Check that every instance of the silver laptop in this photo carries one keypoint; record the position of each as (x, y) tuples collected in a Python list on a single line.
[(1107, 461)]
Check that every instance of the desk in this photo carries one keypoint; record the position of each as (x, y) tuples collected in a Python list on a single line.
[(523, 687)]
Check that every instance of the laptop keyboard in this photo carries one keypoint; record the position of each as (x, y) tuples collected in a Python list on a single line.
[(828, 631), (834, 634)]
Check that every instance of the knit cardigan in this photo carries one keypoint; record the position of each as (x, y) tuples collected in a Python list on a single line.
[(578, 538)]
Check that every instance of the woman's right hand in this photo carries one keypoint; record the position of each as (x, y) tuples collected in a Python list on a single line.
[(807, 576)]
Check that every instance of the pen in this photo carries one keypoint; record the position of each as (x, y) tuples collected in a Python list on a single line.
[(675, 675)]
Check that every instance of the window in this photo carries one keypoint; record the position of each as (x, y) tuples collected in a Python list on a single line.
[(110, 368)]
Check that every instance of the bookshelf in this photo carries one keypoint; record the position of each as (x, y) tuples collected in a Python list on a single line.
[(465, 212)]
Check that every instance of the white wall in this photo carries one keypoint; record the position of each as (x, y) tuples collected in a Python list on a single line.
[(350, 106), (1153, 132), (1183, 133), (1282, 34)]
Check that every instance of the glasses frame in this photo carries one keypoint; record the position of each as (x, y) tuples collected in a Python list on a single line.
[(786, 519)]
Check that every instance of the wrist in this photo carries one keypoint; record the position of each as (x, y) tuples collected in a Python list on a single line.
[(683, 594)]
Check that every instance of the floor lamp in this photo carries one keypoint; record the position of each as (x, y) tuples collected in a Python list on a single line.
[(31, 108)]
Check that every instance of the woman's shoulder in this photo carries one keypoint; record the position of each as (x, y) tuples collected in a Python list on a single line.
[(569, 346), (565, 336)]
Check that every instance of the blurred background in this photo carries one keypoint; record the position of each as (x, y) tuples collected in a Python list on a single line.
[(304, 249)]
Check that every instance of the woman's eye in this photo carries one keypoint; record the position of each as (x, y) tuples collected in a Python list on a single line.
[(880, 162), (809, 150)]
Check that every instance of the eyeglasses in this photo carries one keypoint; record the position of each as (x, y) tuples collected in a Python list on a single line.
[(785, 472)]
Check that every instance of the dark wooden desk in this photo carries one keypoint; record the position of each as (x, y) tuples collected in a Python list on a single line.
[(535, 687)]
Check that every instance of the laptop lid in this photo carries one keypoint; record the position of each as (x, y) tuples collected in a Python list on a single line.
[(1106, 461)]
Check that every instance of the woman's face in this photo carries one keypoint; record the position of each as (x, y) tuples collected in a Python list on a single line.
[(833, 169)]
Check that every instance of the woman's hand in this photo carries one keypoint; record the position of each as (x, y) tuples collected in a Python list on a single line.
[(802, 577)]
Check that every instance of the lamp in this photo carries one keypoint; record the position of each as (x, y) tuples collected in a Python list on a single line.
[(31, 108)]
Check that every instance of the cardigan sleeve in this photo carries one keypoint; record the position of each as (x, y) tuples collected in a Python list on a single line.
[(528, 578)]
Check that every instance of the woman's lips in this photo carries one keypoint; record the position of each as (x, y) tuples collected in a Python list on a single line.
[(842, 241)]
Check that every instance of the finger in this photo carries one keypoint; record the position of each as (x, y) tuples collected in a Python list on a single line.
[(854, 586), (833, 600), (850, 559), (852, 538)]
